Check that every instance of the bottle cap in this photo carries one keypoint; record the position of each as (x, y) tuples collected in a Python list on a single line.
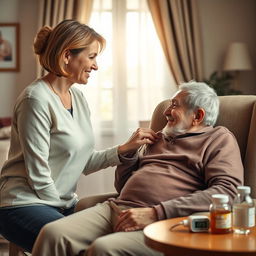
[(220, 198), (244, 189)]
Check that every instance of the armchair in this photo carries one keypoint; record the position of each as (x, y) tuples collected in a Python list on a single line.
[(237, 113)]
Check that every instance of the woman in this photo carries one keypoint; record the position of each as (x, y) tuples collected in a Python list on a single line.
[(52, 140)]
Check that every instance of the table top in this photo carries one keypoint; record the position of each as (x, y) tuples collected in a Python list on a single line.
[(180, 241)]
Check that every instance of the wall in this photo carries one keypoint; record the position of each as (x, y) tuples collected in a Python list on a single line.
[(24, 12), (224, 22)]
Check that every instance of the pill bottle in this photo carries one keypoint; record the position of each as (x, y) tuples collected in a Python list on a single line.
[(220, 214), (243, 211)]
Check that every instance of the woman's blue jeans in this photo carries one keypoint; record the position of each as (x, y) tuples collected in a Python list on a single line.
[(21, 225)]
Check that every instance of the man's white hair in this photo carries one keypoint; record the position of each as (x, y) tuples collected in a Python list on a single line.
[(200, 95)]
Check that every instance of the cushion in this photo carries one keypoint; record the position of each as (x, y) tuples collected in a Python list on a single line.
[(5, 121), (5, 132)]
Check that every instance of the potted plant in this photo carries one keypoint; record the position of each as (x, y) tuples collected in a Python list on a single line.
[(220, 82)]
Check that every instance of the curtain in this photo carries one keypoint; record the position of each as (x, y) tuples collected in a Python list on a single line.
[(177, 25), (54, 11), (51, 12)]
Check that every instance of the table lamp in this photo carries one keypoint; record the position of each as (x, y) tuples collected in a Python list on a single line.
[(237, 59)]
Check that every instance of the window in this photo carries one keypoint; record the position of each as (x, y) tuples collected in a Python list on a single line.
[(133, 75)]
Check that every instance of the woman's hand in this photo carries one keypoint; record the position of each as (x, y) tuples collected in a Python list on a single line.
[(140, 137)]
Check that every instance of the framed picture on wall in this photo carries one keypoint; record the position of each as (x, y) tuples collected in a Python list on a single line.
[(9, 47)]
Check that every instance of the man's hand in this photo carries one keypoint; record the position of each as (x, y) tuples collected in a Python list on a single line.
[(135, 219)]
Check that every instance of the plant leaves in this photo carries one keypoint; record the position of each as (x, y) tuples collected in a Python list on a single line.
[(221, 83)]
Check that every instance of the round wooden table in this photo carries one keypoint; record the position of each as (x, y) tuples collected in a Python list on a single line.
[(180, 241)]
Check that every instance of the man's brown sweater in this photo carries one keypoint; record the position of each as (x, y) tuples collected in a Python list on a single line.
[(177, 176)]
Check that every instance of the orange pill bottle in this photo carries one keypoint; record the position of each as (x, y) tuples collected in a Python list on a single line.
[(220, 214)]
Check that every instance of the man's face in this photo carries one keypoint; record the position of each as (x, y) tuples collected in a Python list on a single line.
[(179, 117)]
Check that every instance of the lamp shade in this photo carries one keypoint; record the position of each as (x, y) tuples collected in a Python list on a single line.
[(237, 57)]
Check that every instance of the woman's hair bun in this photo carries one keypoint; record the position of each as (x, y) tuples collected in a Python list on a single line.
[(41, 39)]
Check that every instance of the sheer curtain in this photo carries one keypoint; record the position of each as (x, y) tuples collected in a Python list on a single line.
[(177, 24), (133, 77)]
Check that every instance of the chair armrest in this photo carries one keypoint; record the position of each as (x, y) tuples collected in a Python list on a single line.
[(90, 201), (4, 148)]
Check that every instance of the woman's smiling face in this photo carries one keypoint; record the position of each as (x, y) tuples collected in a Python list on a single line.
[(79, 66)]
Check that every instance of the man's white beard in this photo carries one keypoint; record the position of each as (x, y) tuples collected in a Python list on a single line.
[(173, 131)]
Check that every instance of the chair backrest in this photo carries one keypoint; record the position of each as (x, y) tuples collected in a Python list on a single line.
[(238, 114)]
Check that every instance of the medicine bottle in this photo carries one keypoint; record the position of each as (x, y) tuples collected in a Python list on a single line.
[(220, 214), (243, 211)]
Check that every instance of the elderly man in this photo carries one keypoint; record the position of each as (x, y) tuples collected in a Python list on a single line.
[(175, 176)]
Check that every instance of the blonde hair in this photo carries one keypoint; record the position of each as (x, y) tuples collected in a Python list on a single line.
[(50, 44)]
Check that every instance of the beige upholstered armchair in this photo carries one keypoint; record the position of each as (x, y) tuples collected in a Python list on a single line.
[(237, 113)]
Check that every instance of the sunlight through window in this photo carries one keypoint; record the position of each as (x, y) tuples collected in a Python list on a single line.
[(133, 75)]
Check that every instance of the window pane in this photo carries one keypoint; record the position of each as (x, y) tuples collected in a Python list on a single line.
[(132, 4), (106, 78), (102, 5), (132, 104), (106, 105), (107, 4), (103, 25), (132, 51), (96, 5)]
